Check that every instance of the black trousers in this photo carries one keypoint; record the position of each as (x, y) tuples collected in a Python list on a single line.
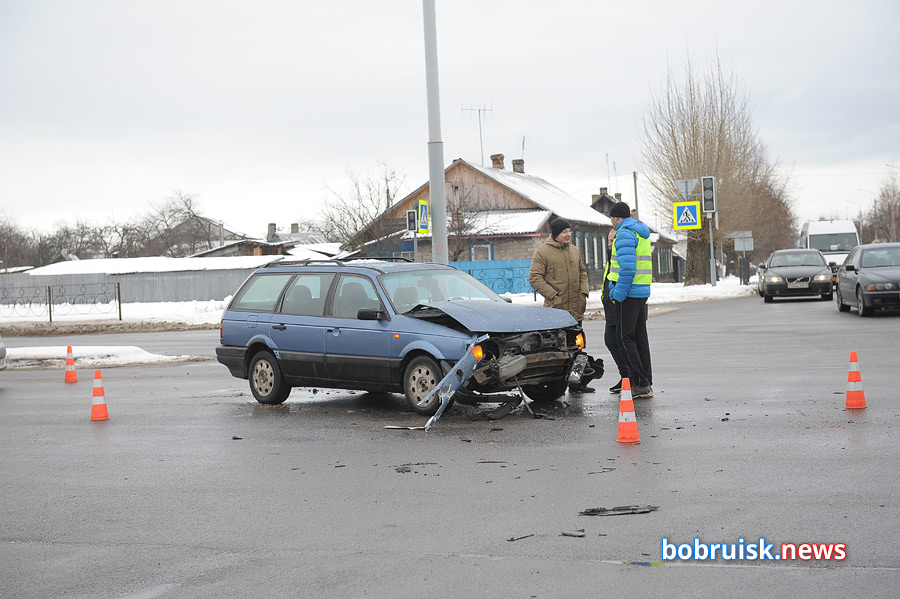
[(632, 333), (611, 338)]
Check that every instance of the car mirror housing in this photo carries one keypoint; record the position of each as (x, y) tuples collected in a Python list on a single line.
[(761, 266), (850, 268), (370, 314)]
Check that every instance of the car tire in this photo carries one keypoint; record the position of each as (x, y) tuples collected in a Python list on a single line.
[(768, 298), (420, 377), (546, 392), (828, 296), (842, 307), (266, 382), (863, 309)]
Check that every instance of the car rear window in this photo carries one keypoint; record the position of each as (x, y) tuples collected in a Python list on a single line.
[(306, 295), (260, 293)]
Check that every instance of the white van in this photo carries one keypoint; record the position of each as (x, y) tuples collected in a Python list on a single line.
[(834, 238)]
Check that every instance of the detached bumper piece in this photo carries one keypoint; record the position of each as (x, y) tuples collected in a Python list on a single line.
[(456, 378)]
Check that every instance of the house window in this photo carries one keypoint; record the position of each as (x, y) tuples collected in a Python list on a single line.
[(596, 263), (407, 255), (481, 252)]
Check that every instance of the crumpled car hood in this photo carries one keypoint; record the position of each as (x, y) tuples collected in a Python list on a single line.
[(499, 317)]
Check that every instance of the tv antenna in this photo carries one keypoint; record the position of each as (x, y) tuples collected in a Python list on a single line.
[(481, 110)]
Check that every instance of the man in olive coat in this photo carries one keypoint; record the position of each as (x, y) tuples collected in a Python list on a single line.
[(558, 274)]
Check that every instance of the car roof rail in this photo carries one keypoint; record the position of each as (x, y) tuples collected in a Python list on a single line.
[(335, 261)]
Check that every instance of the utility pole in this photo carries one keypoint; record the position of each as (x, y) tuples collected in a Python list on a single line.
[(436, 184), (636, 213), (480, 110)]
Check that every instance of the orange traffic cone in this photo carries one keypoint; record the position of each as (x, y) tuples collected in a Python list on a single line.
[(71, 375), (628, 430), (856, 397), (98, 408)]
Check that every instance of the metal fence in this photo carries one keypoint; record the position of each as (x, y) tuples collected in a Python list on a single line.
[(503, 276), (61, 300)]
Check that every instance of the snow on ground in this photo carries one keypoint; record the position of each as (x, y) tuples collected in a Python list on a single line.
[(210, 312)]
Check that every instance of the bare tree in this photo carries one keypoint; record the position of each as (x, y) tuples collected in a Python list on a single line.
[(175, 228), (885, 214), (346, 213), (703, 127), (16, 246)]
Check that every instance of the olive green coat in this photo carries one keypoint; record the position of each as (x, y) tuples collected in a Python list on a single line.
[(558, 273)]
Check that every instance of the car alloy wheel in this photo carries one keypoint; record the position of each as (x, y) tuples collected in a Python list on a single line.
[(842, 307), (266, 382), (420, 377), (861, 306)]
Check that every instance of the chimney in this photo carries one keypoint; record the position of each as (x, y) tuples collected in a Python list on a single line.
[(295, 228), (518, 166), (618, 197), (271, 232), (595, 198), (603, 191), (497, 161)]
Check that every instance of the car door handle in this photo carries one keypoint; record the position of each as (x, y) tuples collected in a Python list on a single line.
[(279, 327)]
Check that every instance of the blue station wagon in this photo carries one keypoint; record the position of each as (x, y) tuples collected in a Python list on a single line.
[(393, 326)]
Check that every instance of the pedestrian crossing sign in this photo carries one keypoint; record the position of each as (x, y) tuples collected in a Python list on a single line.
[(687, 215), (423, 217)]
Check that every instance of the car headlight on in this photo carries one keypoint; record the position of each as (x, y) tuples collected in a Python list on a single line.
[(881, 286), (774, 279), (823, 277)]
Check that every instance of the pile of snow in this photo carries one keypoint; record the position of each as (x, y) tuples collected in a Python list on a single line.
[(86, 356)]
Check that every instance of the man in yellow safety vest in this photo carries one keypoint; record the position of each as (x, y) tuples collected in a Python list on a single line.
[(630, 275)]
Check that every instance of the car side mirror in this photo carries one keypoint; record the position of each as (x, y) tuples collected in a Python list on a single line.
[(507, 299), (370, 314), (760, 266), (850, 268)]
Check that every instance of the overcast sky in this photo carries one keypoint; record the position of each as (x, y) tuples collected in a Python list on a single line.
[(107, 106)]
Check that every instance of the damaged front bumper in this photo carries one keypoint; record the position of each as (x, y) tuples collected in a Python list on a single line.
[(502, 373)]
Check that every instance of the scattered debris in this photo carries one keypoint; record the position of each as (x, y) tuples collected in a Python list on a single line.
[(402, 469), (236, 438), (404, 428), (644, 563), (619, 510), (603, 470), (511, 539), (502, 410), (575, 533)]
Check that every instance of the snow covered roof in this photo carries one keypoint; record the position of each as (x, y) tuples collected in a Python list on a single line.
[(118, 266), (545, 195), (502, 222)]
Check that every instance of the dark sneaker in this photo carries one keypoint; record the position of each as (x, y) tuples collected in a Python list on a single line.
[(641, 392), (580, 389), (617, 388)]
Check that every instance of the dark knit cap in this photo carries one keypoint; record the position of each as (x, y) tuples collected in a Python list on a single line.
[(558, 226), (620, 210)]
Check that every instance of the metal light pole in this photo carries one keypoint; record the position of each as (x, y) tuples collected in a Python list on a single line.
[(437, 188)]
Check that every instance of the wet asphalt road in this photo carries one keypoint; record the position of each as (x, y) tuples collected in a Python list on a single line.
[(747, 437)]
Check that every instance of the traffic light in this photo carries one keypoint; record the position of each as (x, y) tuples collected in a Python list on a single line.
[(708, 184)]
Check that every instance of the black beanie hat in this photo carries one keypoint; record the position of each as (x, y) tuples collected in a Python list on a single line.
[(558, 226), (620, 210)]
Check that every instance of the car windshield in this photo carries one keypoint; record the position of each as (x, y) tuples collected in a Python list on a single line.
[(833, 242), (797, 259), (409, 288), (879, 257)]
